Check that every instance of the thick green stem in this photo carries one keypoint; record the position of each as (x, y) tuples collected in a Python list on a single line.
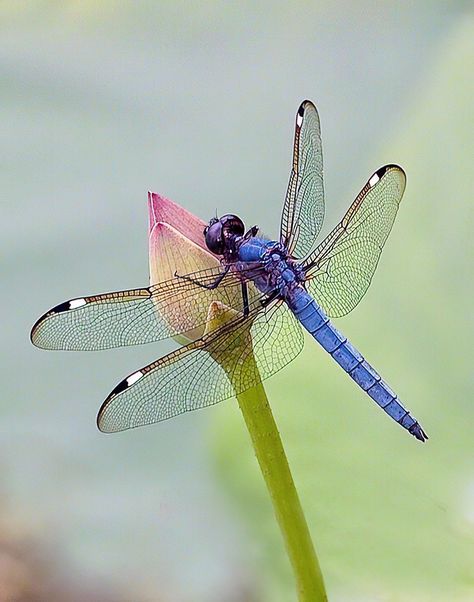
[(240, 366), (276, 472)]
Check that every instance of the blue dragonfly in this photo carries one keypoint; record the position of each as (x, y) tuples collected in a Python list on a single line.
[(270, 289)]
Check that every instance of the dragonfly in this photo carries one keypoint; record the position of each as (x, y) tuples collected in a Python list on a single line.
[(271, 291)]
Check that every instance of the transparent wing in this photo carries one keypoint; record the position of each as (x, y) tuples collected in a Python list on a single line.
[(303, 212), (138, 316), (192, 377), (340, 269)]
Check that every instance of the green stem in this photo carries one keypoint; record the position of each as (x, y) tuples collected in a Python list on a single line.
[(276, 472), (239, 364)]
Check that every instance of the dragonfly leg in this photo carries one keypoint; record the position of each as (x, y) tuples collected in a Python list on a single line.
[(269, 299), (245, 299), (212, 286), (251, 233)]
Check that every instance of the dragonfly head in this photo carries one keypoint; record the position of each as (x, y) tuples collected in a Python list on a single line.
[(221, 233)]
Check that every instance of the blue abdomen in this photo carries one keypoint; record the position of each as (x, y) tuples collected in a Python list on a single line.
[(315, 321)]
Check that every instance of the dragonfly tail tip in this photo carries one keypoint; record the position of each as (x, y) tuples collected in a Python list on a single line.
[(418, 432)]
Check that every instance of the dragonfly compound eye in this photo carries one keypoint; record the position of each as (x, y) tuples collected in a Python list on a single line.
[(215, 238), (232, 225)]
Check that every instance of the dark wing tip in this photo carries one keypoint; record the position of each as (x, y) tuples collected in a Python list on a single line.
[(382, 171), (99, 420), (123, 385), (58, 309), (35, 328), (304, 105)]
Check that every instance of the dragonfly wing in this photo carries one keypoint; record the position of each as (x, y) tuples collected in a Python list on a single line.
[(192, 377), (138, 316), (340, 269), (303, 212)]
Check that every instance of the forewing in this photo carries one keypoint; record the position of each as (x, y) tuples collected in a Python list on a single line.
[(192, 377), (138, 316), (340, 269), (303, 212)]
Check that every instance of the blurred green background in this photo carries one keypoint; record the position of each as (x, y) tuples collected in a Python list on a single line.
[(102, 101)]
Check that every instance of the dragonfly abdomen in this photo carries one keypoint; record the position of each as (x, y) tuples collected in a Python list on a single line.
[(315, 321)]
